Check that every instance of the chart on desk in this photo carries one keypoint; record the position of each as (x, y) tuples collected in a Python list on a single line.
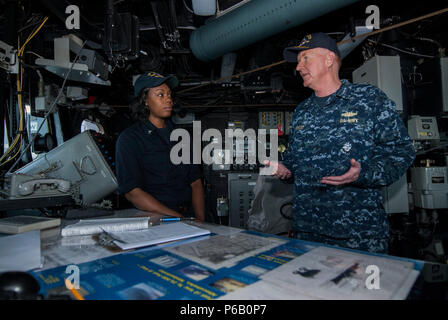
[(199, 270), (224, 251), (161, 274)]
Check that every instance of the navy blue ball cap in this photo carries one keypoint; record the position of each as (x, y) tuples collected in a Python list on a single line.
[(153, 79), (311, 41)]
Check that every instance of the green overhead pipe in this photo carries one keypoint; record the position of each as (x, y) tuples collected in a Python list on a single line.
[(255, 21)]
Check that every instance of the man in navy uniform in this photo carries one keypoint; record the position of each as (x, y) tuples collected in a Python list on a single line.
[(346, 142)]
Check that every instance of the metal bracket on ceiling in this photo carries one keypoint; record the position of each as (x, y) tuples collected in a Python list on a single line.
[(91, 69)]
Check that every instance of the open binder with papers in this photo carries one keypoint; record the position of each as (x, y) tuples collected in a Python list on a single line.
[(156, 235), (95, 226)]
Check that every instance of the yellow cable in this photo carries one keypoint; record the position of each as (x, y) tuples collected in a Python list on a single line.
[(32, 36), (17, 153), (19, 136)]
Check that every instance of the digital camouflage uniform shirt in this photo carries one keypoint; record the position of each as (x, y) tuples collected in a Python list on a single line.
[(357, 121)]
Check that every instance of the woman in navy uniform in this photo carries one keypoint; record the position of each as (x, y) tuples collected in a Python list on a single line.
[(146, 175)]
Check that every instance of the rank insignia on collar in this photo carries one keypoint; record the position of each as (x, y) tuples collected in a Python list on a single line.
[(149, 131)]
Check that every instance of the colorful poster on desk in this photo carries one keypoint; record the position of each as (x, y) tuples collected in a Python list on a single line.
[(160, 274)]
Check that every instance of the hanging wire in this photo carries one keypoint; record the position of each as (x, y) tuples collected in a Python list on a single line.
[(400, 50), (17, 142), (186, 7), (51, 109)]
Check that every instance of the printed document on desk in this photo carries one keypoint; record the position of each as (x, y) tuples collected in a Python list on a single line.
[(225, 250), (73, 250), (157, 234), (20, 252), (327, 273)]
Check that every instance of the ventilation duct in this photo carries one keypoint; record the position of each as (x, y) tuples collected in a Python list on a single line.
[(255, 21)]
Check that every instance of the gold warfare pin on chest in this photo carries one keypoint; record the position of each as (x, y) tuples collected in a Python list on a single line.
[(349, 117)]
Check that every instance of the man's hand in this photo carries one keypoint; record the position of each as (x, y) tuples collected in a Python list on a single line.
[(278, 169), (351, 175)]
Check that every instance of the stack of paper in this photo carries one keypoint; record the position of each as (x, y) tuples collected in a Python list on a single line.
[(19, 224), (157, 234)]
